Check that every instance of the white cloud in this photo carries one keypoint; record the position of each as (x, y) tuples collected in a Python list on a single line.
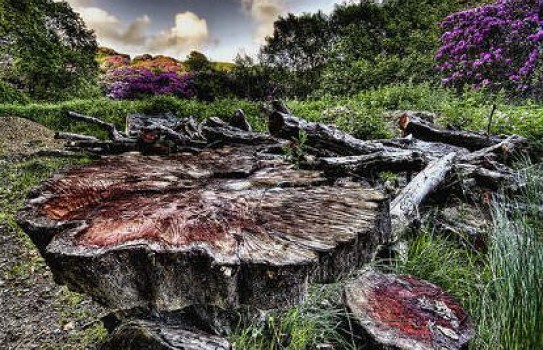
[(190, 33), (264, 13), (109, 28)]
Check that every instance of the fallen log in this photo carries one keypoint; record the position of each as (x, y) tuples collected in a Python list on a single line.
[(503, 152), (220, 228), (145, 334), (74, 137), (403, 312), (113, 133), (405, 208), (217, 130), (422, 130), (319, 136), (371, 164)]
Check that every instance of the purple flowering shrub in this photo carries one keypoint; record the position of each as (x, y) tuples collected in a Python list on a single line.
[(494, 46), (130, 83)]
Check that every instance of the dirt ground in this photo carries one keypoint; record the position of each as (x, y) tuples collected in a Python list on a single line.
[(35, 313)]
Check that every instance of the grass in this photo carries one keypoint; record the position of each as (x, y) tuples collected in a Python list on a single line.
[(319, 320), (361, 115), (16, 179)]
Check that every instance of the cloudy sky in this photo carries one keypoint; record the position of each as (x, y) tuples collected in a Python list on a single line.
[(219, 28)]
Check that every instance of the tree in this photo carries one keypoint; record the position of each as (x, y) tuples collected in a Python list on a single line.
[(497, 46), (52, 51), (297, 51), (198, 62)]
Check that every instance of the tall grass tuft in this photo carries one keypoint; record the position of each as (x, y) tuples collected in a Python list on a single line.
[(319, 320), (512, 305)]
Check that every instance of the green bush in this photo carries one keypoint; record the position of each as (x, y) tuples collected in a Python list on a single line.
[(9, 94)]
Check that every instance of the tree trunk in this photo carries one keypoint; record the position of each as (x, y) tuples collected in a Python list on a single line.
[(422, 130), (221, 228), (405, 208)]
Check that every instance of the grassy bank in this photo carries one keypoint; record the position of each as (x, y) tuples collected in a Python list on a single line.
[(361, 114)]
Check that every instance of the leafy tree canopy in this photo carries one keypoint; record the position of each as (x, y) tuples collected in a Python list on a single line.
[(52, 53)]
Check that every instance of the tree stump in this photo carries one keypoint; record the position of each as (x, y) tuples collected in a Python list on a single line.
[(402, 312), (222, 227)]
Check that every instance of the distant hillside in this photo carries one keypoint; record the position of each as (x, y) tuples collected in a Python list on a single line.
[(111, 59)]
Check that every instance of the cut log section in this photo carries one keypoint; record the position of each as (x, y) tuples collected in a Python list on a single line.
[(143, 334), (404, 313), (405, 208), (422, 130), (221, 228)]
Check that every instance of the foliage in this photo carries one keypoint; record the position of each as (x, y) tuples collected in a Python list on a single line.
[(197, 62), (8, 94), (361, 45), (496, 46), (52, 51), (129, 84), (318, 320), (297, 51), (512, 314)]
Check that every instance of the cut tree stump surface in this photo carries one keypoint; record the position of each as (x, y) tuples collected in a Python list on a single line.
[(221, 227), (403, 312)]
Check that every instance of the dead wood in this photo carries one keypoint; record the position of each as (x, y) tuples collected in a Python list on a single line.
[(403, 312), (405, 208), (371, 164), (239, 120), (220, 228), (319, 136), (74, 137), (113, 133), (422, 130), (157, 335)]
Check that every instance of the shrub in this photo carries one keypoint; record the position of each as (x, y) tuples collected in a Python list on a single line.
[(496, 46), (8, 94), (129, 84)]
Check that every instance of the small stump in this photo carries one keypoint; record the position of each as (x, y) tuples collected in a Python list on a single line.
[(225, 228), (403, 312)]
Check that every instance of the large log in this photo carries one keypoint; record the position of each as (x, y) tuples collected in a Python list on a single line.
[(422, 130), (113, 133), (319, 136), (155, 335), (221, 228), (371, 164), (404, 313), (405, 208)]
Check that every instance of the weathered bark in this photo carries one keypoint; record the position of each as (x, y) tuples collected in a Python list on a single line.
[(404, 313), (503, 152), (371, 164), (215, 129), (239, 120), (74, 137), (319, 136), (155, 335), (422, 130), (405, 208), (220, 228), (114, 134)]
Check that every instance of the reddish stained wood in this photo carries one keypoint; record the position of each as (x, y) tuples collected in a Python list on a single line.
[(404, 312)]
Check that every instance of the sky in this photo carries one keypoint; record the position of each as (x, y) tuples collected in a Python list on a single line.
[(219, 28)]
